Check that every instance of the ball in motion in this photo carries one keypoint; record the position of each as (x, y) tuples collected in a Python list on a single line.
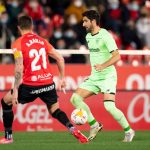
[(79, 116)]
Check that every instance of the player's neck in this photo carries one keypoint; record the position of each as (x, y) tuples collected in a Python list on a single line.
[(26, 32), (95, 30)]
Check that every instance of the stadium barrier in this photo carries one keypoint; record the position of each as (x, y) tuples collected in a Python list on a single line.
[(133, 98), (85, 51)]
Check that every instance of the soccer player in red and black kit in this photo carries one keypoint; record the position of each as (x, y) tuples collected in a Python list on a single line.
[(33, 79)]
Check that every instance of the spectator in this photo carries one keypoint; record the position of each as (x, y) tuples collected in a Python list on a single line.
[(76, 8), (35, 10), (2, 7), (14, 8), (6, 37), (143, 26)]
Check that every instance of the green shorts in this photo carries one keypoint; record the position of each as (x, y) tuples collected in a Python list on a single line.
[(104, 86)]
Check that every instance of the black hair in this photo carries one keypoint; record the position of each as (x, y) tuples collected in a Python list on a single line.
[(25, 22), (92, 14)]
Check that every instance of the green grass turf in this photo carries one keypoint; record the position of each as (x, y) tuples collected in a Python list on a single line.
[(106, 140)]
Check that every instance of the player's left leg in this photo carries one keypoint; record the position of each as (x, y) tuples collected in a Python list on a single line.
[(109, 104), (8, 117)]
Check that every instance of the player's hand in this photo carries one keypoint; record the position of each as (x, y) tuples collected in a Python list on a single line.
[(98, 67), (15, 97), (62, 85)]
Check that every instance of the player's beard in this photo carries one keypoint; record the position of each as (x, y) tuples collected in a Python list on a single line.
[(88, 30)]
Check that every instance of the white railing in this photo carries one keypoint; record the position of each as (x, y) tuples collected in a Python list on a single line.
[(84, 51)]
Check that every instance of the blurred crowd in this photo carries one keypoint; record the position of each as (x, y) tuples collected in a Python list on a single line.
[(60, 22)]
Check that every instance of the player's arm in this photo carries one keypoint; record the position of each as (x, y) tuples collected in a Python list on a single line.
[(59, 60), (115, 57), (17, 73), (60, 63)]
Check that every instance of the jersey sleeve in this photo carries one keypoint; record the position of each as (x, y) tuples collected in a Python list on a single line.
[(110, 42), (16, 47)]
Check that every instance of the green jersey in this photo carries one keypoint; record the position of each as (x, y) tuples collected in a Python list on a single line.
[(100, 46)]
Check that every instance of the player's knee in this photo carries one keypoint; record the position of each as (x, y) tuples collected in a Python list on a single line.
[(5, 106), (72, 98), (109, 106), (76, 99)]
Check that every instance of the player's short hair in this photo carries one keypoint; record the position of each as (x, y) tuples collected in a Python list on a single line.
[(92, 14), (25, 22)]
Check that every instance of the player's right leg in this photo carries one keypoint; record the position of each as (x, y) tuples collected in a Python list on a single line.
[(77, 100), (8, 117), (50, 99)]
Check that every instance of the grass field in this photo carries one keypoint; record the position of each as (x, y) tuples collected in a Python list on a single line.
[(106, 140)]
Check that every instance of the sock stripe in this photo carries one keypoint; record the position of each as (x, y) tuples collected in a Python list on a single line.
[(127, 129), (92, 122), (108, 101)]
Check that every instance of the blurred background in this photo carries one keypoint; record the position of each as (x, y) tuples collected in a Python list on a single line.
[(60, 22)]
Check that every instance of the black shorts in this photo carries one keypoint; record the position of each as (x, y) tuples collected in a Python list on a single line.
[(47, 93)]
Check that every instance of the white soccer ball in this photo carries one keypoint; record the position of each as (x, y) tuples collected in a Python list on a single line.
[(79, 116)]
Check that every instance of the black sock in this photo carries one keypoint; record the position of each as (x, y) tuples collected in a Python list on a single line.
[(62, 118), (8, 117)]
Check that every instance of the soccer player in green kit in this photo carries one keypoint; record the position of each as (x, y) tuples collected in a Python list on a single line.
[(103, 79)]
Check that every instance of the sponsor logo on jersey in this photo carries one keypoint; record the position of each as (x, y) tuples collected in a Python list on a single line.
[(41, 77), (45, 89), (94, 49), (44, 76)]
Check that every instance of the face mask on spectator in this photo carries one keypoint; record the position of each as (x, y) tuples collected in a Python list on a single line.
[(69, 34), (14, 4), (78, 3), (4, 20), (114, 6), (135, 6), (57, 34)]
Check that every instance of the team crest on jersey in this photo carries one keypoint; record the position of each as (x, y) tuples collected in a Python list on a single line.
[(34, 78)]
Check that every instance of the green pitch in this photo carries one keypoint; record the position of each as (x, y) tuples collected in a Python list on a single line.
[(106, 140)]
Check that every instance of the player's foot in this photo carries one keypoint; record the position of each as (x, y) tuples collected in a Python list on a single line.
[(129, 136), (94, 130), (77, 134), (3, 140)]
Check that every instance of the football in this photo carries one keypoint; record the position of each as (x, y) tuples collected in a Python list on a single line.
[(79, 116)]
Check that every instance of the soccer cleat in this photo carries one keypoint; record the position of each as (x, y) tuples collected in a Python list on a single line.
[(94, 130), (77, 134), (3, 140), (129, 136)]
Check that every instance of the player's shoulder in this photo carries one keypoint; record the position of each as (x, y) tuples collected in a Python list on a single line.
[(103, 31), (87, 35), (17, 42)]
